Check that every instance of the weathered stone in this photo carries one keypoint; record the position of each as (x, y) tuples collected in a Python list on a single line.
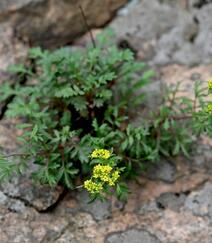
[(131, 26), (174, 32), (200, 202), (12, 50), (165, 171), (39, 197), (133, 236), (148, 208), (52, 23), (66, 237), (171, 201), (3, 198), (198, 3), (99, 210), (47, 23), (22, 187)]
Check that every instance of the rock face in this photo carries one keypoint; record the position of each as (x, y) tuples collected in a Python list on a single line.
[(171, 203), (48, 23), (21, 188), (168, 31), (54, 23)]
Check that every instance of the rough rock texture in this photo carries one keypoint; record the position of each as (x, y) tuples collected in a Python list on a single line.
[(53, 23), (168, 31), (164, 171), (133, 236), (157, 211), (99, 210), (12, 49), (171, 203), (22, 187), (201, 202), (48, 23)]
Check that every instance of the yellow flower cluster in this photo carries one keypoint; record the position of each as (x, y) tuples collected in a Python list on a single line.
[(209, 108), (114, 177), (105, 174), (101, 174), (210, 84), (101, 154), (93, 187)]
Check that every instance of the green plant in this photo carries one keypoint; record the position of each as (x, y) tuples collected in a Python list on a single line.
[(77, 101)]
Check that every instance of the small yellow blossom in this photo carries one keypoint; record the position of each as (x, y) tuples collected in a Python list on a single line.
[(93, 187), (102, 172), (209, 108), (114, 178), (210, 84), (101, 154)]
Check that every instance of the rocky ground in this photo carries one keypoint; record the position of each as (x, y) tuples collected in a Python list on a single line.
[(172, 203)]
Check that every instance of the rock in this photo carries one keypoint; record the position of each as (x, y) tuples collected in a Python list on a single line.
[(163, 170), (131, 26), (22, 187), (200, 202), (198, 3), (16, 206), (169, 24), (66, 237), (12, 50), (52, 23), (148, 208), (203, 40), (99, 210), (3, 198), (47, 23), (133, 236), (173, 201), (165, 31), (38, 197), (176, 44)]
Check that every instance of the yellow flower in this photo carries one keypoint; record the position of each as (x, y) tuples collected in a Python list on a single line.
[(92, 187), (210, 84), (114, 178), (209, 108), (101, 154), (102, 172)]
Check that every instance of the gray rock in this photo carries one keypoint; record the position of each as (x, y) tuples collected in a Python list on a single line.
[(144, 21), (13, 205), (165, 32), (172, 201), (200, 202), (3, 198), (133, 236), (163, 170), (202, 157), (147, 208), (176, 45), (23, 189), (16, 206), (99, 210), (198, 3), (67, 237), (203, 41)]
